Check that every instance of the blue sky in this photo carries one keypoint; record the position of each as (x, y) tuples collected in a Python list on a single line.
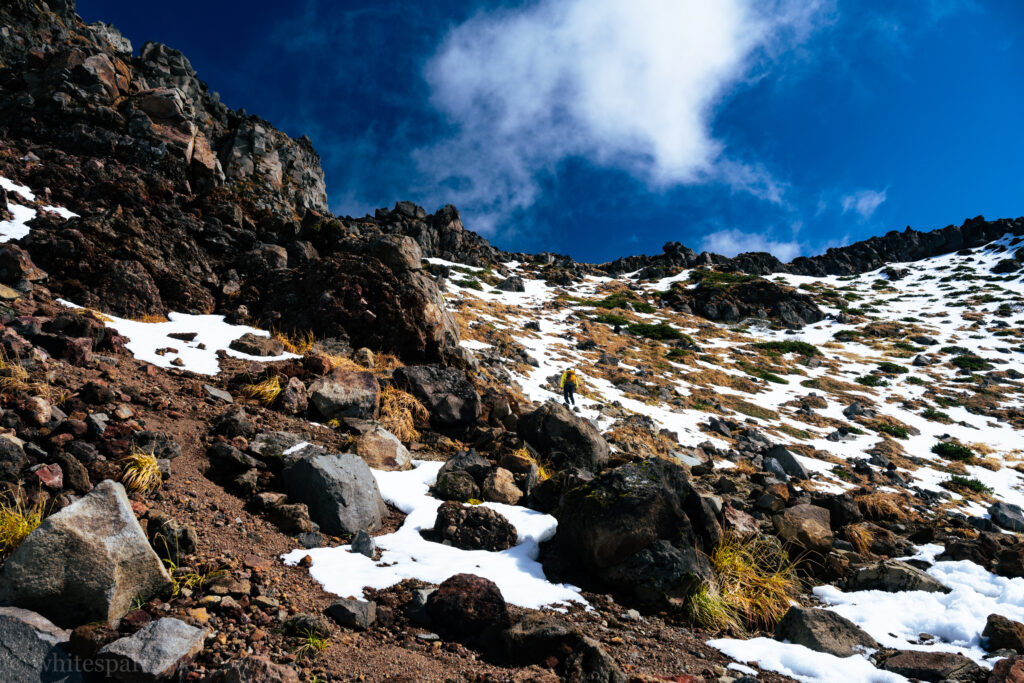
[(602, 128)]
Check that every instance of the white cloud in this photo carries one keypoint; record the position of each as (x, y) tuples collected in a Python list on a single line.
[(863, 202), (623, 84), (732, 241)]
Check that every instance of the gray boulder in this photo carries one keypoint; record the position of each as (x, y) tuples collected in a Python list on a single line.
[(933, 666), (554, 429), (511, 284), (894, 576), (339, 490), (153, 652), (1007, 516), (445, 391), (355, 614), (824, 631), (33, 649), (787, 461), (346, 393), (88, 562)]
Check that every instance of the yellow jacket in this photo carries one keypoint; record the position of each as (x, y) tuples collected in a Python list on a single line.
[(572, 377)]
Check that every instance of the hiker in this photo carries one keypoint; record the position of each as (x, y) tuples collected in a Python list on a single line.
[(569, 385)]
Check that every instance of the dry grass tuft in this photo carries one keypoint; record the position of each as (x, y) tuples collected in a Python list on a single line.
[(401, 412), (266, 392), (860, 537), (141, 472), (17, 521), (755, 583), (150, 318), (15, 379), (882, 506), (299, 343)]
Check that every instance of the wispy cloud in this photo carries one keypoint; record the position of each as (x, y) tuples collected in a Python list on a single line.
[(733, 241), (632, 85), (863, 202)]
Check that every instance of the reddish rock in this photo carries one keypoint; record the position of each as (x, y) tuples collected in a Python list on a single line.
[(465, 607), (1009, 670), (50, 476)]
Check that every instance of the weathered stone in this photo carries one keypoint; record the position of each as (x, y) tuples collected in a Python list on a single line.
[(355, 614), (340, 491), (1007, 515), (33, 649), (217, 394), (556, 431), (824, 631), (894, 576), (364, 544), (1003, 633), (590, 663), (466, 607), (445, 391), (535, 637), (88, 562), (346, 394), (153, 652), (473, 527), (790, 465), (457, 485), (933, 666), (293, 398), (257, 345), (500, 487), (806, 526), (254, 669), (382, 450)]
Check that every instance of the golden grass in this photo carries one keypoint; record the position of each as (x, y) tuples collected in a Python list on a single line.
[(150, 318), (141, 472), (401, 412), (882, 506), (755, 583), (860, 537), (265, 392), (312, 643), (15, 379), (299, 343), (17, 521)]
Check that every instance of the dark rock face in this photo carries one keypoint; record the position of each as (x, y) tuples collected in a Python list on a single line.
[(154, 651), (473, 527), (446, 392), (824, 631), (556, 431), (355, 614), (1007, 515), (754, 298), (635, 529), (466, 607)]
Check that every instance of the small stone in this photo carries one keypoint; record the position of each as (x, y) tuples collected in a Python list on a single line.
[(218, 394), (364, 544), (153, 652), (356, 614)]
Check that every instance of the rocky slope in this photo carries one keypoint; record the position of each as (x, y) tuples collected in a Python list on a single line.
[(244, 439)]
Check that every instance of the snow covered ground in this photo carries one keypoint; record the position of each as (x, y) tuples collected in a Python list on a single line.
[(407, 555)]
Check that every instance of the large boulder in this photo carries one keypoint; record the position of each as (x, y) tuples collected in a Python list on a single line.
[(894, 576), (473, 527), (467, 607), (12, 459), (153, 652), (446, 392), (824, 631), (787, 462), (340, 491), (346, 393), (33, 649), (805, 526), (1007, 516), (564, 436), (635, 528), (88, 562)]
